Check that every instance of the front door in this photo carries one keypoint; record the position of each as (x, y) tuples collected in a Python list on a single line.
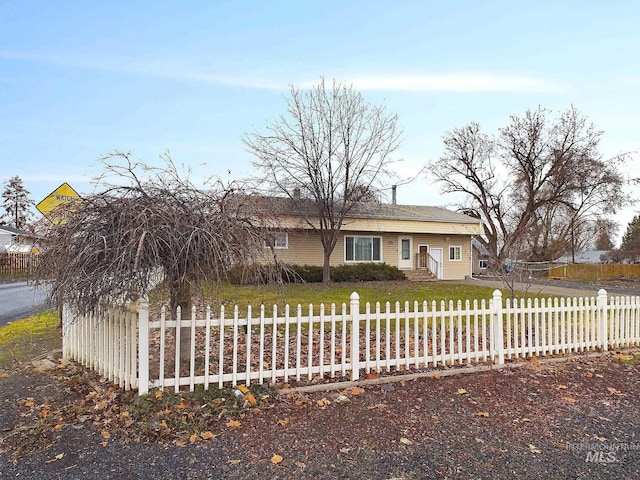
[(405, 247), (436, 254)]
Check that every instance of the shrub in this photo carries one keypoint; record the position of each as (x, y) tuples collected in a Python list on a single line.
[(362, 272)]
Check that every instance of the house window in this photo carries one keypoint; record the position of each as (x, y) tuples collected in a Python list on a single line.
[(455, 254), (362, 249), (279, 240), (484, 264)]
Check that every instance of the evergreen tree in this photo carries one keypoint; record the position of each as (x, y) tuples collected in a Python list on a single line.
[(16, 203), (631, 238)]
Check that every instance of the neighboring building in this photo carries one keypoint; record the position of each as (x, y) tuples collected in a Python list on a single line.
[(14, 240), (480, 258), (9, 234), (425, 242), (591, 256)]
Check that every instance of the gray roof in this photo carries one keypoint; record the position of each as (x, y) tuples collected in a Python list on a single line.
[(13, 230), (422, 213)]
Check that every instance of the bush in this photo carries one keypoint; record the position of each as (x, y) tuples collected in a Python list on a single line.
[(364, 272), (357, 272)]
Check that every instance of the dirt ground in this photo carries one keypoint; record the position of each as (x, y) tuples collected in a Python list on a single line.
[(564, 418)]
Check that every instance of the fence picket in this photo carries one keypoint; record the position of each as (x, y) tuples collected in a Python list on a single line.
[(118, 344)]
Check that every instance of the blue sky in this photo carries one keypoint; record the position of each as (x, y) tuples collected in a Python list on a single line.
[(82, 79)]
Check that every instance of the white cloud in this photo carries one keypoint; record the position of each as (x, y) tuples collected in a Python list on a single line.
[(469, 82), (457, 82)]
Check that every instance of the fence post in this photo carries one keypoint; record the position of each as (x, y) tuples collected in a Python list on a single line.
[(497, 339), (603, 335), (143, 346), (355, 336)]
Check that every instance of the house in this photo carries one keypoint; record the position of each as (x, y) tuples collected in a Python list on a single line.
[(480, 258), (14, 240), (425, 242), (589, 256), (8, 234)]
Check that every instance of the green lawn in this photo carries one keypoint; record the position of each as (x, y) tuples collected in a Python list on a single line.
[(25, 339), (338, 293)]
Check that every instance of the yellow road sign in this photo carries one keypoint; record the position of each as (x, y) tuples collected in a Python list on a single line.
[(52, 206)]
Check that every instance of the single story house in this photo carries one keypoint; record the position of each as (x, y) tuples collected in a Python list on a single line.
[(14, 240), (425, 242)]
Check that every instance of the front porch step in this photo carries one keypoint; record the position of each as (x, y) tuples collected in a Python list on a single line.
[(422, 275)]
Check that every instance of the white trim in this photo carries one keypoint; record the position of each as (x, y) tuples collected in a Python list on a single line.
[(405, 264), (380, 260), (459, 247)]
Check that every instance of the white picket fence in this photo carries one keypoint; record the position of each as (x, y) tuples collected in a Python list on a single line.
[(295, 345)]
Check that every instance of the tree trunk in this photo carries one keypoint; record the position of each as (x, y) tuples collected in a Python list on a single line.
[(181, 297), (326, 268)]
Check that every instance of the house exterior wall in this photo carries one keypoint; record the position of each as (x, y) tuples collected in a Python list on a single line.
[(305, 248)]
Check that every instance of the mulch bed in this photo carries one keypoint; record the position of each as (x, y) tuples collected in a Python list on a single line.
[(578, 418)]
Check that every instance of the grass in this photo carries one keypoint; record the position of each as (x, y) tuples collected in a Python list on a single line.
[(338, 293), (24, 339)]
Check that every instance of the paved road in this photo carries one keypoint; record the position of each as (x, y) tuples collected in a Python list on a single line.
[(20, 300)]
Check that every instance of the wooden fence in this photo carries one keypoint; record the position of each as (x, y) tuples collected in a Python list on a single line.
[(17, 264), (595, 271), (134, 352)]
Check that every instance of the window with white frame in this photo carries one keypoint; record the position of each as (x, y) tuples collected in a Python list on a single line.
[(455, 254), (484, 264), (279, 240), (362, 249)]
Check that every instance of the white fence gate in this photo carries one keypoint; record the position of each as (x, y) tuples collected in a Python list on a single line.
[(134, 352)]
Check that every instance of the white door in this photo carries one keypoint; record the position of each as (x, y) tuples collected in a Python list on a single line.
[(405, 249), (436, 254)]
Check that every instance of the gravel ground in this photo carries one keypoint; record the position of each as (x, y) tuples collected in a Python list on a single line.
[(577, 418)]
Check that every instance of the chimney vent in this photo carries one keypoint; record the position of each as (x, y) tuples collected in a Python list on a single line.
[(393, 194)]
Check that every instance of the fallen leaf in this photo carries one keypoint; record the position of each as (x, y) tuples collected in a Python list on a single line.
[(377, 405), (180, 443), (462, 391), (193, 438), (482, 414), (276, 459), (602, 439), (243, 389), (534, 449), (56, 458), (406, 441), (436, 376), (570, 399), (29, 404), (104, 444), (562, 387), (181, 405), (207, 435), (370, 376), (589, 374), (58, 427), (614, 391), (158, 394), (323, 402), (283, 422), (163, 424), (105, 434), (534, 361), (356, 390), (234, 461), (233, 423), (251, 399)]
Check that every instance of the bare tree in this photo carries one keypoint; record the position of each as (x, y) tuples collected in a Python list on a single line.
[(534, 169), (331, 150), (147, 224), (16, 203)]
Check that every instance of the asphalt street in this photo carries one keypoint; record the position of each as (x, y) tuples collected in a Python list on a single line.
[(20, 300)]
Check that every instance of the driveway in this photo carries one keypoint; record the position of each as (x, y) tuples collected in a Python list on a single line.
[(20, 300)]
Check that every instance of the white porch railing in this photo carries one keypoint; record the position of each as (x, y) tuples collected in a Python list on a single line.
[(295, 345)]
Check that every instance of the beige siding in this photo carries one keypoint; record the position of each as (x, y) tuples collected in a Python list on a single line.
[(305, 248)]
